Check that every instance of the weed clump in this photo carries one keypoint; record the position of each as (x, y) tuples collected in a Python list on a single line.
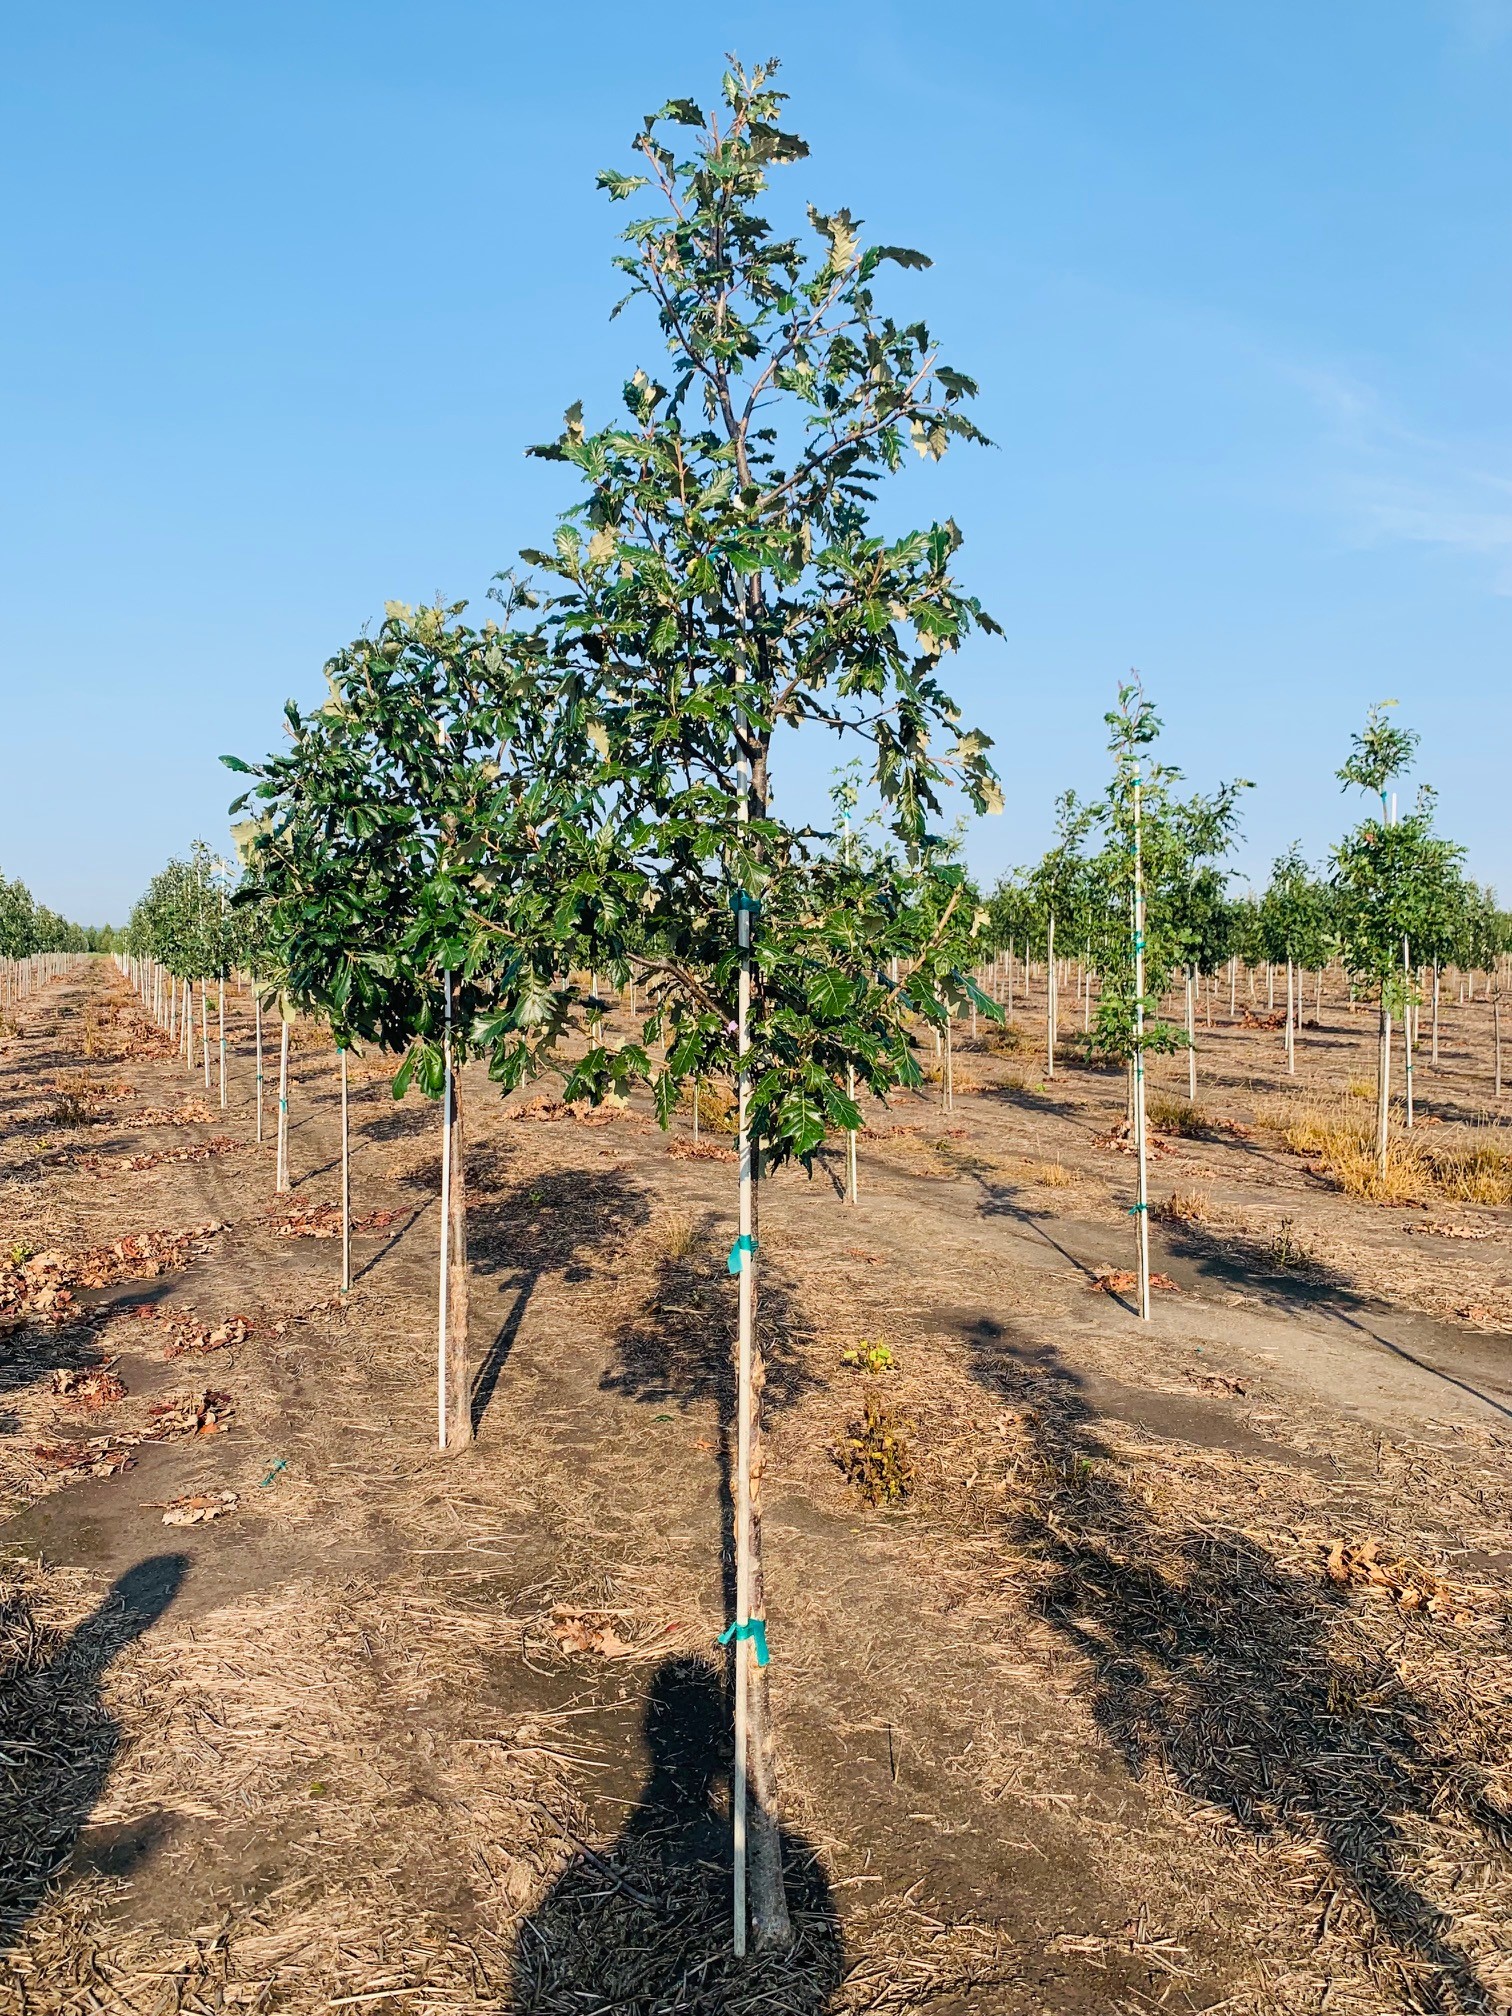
[(1186, 1207), (875, 1456), (1175, 1116)]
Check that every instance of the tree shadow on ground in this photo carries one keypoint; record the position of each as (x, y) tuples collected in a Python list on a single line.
[(679, 1351), (554, 1223), (59, 1740), (1251, 1687), (644, 1925)]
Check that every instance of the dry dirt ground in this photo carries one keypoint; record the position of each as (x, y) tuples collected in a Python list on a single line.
[(1180, 1680)]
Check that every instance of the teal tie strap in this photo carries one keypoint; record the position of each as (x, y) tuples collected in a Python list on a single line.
[(744, 1244), (1135, 1209), (741, 901), (755, 1629)]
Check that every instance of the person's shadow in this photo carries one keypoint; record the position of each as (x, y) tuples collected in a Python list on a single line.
[(645, 1925), (59, 1740)]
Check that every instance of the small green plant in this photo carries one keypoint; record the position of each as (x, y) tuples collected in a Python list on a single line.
[(869, 1357), (875, 1456), (20, 1253), (1286, 1250)]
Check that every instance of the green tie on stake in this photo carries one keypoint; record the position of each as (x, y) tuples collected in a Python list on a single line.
[(754, 1629), (744, 1244)]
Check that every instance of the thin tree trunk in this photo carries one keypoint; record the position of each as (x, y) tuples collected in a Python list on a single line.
[(1191, 1030), (1496, 1038), (459, 1428), (1435, 1012), (1291, 1052), (1050, 1000), (1407, 1031), (1142, 1199), (1233, 977), (282, 1180), (1383, 1092), (257, 1015), (205, 1029), (851, 1186), (346, 1183), (220, 1022)]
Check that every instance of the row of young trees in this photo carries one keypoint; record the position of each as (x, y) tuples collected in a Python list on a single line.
[(1393, 905), (28, 927)]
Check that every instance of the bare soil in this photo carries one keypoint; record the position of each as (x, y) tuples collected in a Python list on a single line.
[(1180, 1679)]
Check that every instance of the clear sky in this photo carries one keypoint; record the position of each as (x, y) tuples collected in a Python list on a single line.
[(288, 288)]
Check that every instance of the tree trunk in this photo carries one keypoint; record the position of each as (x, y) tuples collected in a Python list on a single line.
[(1050, 1000), (1435, 1012), (770, 1923), (850, 1141), (1496, 1039), (1291, 1052), (1383, 1092), (220, 1023), (1191, 1030), (459, 1431), (1407, 1031), (257, 1013), (282, 1178), (346, 1183)]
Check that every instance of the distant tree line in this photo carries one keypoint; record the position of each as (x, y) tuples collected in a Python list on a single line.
[(27, 927)]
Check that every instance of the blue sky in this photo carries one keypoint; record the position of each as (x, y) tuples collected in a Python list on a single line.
[(290, 287)]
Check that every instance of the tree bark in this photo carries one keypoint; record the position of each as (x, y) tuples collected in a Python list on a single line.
[(459, 1431), (770, 1923)]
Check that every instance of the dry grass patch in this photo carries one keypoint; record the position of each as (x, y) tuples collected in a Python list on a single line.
[(1342, 1145), (1175, 1116), (1187, 1207), (673, 1238)]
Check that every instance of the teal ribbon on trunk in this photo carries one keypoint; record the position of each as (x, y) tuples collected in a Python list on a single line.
[(754, 1629)]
